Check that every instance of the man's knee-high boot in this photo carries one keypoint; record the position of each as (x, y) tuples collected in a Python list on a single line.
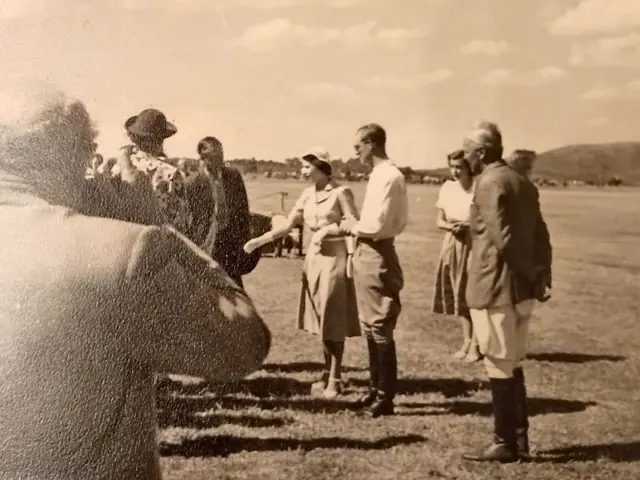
[(503, 448), (374, 375), (522, 416), (388, 365)]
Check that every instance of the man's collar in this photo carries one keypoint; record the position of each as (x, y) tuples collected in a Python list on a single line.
[(496, 164), (383, 161)]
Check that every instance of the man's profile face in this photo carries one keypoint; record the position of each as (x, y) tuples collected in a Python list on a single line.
[(211, 154), (363, 148), (473, 154)]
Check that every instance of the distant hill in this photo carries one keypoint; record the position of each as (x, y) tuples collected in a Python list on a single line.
[(591, 163)]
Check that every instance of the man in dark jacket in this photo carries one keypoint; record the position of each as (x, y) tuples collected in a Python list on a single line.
[(221, 219), (507, 274)]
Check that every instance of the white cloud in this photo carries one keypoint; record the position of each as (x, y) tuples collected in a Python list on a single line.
[(499, 76), (13, 9), (602, 92), (278, 31), (597, 17), (399, 36), (492, 48), (321, 90), (335, 94), (225, 4), (628, 91), (401, 83), (599, 122), (617, 51), (532, 78), (634, 85)]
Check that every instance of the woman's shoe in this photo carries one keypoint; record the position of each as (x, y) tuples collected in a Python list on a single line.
[(473, 356), (460, 354), (320, 384), (334, 388)]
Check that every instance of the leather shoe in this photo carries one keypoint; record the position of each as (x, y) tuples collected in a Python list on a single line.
[(497, 452), (381, 408), (522, 439), (367, 400)]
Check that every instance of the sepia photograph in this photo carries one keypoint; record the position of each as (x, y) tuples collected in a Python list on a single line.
[(319, 239)]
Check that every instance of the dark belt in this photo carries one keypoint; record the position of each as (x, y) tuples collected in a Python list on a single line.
[(375, 243)]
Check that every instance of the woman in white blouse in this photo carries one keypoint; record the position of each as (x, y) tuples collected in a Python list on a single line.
[(454, 202)]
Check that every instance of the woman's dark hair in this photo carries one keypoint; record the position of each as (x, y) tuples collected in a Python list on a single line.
[(321, 165), (459, 155)]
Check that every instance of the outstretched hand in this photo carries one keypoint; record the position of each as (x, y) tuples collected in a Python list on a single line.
[(251, 245)]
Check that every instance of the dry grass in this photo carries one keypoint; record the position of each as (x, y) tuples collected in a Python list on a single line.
[(582, 373)]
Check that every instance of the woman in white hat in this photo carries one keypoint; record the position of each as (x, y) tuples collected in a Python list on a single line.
[(327, 303)]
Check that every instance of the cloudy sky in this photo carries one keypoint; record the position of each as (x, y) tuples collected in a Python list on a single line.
[(273, 77)]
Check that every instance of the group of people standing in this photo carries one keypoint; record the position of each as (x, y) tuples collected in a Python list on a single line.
[(108, 279), (352, 276)]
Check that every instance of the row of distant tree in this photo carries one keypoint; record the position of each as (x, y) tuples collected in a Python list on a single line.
[(353, 170)]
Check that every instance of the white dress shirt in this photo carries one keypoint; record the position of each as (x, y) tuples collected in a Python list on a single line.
[(385, 209)]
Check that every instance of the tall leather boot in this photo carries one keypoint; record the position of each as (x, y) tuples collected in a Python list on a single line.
[(387, 385), (522, 416), (503, 449), (374, 375)]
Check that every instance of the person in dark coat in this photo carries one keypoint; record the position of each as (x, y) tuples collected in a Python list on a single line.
[(510, 269), (221, 221)]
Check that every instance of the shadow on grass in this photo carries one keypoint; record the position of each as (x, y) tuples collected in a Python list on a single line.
[(448, 387), (261, 387), (221, 446), (615, 452), (536, 406), (301, 367), (565, 357), (305, 404), (183, 419)]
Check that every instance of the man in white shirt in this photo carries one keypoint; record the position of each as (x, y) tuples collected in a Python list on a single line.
[(378, 276)]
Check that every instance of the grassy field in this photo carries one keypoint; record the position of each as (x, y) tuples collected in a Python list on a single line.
[(583, 371)]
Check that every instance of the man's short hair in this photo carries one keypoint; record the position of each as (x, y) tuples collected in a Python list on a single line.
[(212, 142), (521, 152), (487, 135), (374, 133), (40, 126)]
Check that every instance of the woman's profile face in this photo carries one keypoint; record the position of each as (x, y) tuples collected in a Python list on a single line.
[(309, 171)]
